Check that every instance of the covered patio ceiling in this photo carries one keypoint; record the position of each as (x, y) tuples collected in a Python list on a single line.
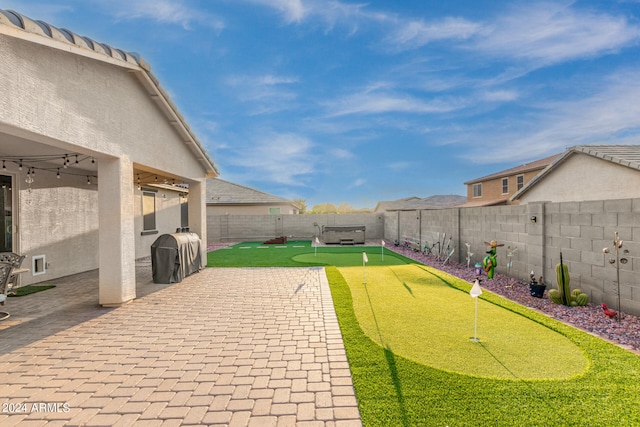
[(39, 157)]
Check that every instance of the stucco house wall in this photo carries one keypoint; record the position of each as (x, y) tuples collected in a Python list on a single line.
[(492, 189), (62, 95), (582, 177)]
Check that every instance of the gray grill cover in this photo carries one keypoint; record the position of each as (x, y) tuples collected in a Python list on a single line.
[(174, 257)]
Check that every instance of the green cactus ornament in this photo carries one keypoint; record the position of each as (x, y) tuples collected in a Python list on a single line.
[(563, 295)]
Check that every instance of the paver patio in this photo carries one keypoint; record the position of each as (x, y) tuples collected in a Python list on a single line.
[(244, 346)]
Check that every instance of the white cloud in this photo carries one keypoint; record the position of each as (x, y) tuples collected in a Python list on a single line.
[(374, 103), (611, 115), (283, 158), (552, 32), (500, 95), (267, 93), (163, 11), (414, 34)]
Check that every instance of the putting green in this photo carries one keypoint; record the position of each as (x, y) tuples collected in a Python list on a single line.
[(346, 259), (412, 311)]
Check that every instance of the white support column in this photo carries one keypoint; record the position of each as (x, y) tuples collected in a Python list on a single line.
[(198, 214), (117, 279)]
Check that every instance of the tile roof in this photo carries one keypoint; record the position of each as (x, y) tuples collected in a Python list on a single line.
[(220, 192), (624, 155), (527, 167), (15, 19)]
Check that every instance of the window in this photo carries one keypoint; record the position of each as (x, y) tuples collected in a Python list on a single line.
[(477, 190), (184, 211), (505, 185), (274, 211), (520, 181), (148, 212)]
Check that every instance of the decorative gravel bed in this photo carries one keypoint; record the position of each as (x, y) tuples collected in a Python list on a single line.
[(590, 318)]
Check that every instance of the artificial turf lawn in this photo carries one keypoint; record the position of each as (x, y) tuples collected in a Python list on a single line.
[(394, 389), (418, 315)]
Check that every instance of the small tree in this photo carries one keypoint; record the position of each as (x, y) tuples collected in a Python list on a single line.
[(301, 204)]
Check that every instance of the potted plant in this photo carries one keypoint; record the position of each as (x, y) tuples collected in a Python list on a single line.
[(536, 289)]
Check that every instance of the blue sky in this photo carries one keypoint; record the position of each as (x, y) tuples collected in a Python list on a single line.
[(358, 102)]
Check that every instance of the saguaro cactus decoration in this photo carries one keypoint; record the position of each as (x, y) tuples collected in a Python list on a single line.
[(563, 294)]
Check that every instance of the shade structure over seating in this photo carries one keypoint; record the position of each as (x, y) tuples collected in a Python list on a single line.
[(175, 256)]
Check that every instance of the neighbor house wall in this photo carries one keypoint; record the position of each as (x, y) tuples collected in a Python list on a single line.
[(580, 178), (492, 188)]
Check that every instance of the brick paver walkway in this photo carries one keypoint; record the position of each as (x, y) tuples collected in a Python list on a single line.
[(238, 347)]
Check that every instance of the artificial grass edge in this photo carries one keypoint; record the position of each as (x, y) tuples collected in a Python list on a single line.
[(392, 390)]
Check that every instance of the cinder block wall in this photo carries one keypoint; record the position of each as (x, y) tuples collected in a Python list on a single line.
[(225, 228), (540, 231)]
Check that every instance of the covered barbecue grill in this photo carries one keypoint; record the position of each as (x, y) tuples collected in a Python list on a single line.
[(343, 234), (175, 256)]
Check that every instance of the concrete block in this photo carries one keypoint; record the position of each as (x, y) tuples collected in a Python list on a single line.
[(570, 207), (570, 230), (605, 220), (591, 232), (581, 244), (580, 219), (623, 205), (592, 207), (593, 258), (628, 219), (604, 272)]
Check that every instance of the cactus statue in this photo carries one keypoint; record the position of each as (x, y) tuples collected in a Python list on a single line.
[(563, 294)]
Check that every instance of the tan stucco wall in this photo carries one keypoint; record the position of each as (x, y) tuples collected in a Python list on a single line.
[(78, 103), (492, 189), (167, 219), (60, 223), (582, 178), (249, 210)]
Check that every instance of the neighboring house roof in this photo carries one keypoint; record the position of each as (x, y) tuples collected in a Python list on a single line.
[(624, 155), (220, 192), (19, 26), (416, 203), (527, 167)]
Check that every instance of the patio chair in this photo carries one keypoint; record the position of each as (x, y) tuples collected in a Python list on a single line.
[(5, 274), (16, 261)]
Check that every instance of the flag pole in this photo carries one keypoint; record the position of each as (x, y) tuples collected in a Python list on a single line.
[(364, 267), (382, 249), (475, 292)]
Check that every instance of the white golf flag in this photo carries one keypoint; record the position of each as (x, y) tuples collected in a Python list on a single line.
[(364, 257), (476, 290), (383, 243), (317, 241)]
